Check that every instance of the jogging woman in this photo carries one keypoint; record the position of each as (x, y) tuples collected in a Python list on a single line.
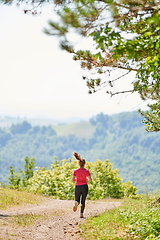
[(81, 176)]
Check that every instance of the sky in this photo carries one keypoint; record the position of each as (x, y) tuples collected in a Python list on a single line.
[(38, 79)]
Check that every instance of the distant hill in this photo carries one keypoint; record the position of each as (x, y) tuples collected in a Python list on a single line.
[(121, 138), (80, 129), (7, 121)]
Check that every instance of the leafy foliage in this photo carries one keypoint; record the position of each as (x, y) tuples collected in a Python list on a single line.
[(121, 138), (20, 179), (135, 219), (56, 181), (126, 37), (152, 117)]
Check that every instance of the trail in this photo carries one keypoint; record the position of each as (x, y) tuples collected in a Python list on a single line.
[(59, 221)]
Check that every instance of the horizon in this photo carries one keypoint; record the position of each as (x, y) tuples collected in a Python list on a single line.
[(8, 120)]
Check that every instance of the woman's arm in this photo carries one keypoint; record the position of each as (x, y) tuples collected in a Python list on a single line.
[(73, 178), (89, 178)]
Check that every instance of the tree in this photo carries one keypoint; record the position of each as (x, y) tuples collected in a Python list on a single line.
[(126, 35), (4, 137), (20, 128), (28, 171), (152, 117), (18, 180)]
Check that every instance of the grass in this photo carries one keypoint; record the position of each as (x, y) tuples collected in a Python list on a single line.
[(11, 198), (134, 219), (25, 220), (81, 129)]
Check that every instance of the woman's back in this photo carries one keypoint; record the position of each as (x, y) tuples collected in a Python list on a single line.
[(81, 175)]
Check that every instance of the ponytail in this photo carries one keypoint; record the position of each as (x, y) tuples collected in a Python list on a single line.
[(81, 160)]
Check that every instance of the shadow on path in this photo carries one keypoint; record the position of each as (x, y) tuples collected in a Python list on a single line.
[(3, 216)]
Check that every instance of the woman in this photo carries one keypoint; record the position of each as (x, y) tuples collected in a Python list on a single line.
[(81, 176)]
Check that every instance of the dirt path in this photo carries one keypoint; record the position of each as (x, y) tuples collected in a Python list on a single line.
[(59, 221)]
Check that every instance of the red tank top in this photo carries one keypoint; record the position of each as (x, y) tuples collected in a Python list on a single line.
[(81, 174)]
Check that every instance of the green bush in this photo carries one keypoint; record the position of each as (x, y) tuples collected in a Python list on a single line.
[(56, 181)]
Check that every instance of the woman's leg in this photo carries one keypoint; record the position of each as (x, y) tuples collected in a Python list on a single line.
[(78, 192), (84, 195), (77, 197)]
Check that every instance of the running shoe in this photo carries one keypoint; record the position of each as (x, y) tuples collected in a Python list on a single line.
[(75, 206), (81, 215)]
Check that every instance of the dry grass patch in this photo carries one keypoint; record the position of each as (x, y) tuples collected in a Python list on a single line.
[(10, 198)]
